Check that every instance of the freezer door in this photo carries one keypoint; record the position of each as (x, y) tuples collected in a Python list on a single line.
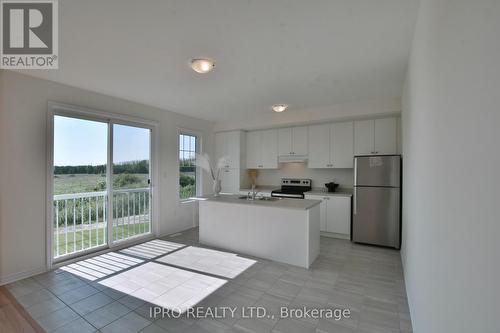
[(376, 218), (377, 170)]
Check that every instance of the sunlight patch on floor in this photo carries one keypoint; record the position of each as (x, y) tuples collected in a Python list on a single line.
[(99, 267), (152, 249), (169, 287), (225, 264)]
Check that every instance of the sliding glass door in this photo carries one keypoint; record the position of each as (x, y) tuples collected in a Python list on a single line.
[(131, 182), (101, 184)]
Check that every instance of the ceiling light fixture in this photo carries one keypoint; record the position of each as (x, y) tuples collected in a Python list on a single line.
[(202, 65), (279, 107)]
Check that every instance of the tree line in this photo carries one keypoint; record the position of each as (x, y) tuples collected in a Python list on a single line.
[(122, 167)]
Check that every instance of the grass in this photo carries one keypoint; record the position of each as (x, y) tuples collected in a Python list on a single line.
[(82, 240), (78, 183)]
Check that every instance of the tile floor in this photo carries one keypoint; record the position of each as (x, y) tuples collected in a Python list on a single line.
[(114, 292)]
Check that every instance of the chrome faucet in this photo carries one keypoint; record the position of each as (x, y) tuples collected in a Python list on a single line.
[(252, 195)]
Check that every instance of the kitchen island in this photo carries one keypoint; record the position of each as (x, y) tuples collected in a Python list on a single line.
[(284, 230)]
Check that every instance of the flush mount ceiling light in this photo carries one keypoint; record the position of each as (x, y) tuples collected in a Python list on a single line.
[(279, 107), (202, 65)]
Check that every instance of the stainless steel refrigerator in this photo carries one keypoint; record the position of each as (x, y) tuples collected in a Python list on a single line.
[(377, 200)]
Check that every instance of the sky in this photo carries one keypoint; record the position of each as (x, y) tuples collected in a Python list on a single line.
[(187, 145), (84, 142)]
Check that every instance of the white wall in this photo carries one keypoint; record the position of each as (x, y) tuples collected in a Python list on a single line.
[(339, 112), (319, 177), (23, 110), (451, 137)]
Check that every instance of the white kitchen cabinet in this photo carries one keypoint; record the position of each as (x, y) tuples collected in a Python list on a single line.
[(364, 137), (299, 140), (342, 145), (376, 136), (254, 149), (331, 145), (230, 181), (385, 136), (227, 144), (262, 149), (231, 145), (335, 215), (292, 141), (338, 213), (284, 141), (322, 214), (319, 146), (269, 149)]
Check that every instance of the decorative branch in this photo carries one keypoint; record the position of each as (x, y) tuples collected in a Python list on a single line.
[(203, 161)]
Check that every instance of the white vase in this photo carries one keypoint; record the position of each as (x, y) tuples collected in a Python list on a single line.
[(216, 187)]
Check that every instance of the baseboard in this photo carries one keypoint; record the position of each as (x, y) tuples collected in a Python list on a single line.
[(21, 275), (335, 235)]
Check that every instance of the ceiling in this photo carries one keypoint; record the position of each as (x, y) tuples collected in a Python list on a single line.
[(309, 54)]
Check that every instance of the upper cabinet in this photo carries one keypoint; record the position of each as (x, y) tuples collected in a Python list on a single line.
[(386, 136), (342, 145), (292, 141), (227, 144), (254, 149), (331, 145), (319, 146), (327, 145), (262, 149), (231, 145), (378, 136)]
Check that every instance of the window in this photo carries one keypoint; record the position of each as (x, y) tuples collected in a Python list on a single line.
[(187, 168)]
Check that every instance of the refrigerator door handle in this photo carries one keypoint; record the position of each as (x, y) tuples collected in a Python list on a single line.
[(355, 171), (355, 208)]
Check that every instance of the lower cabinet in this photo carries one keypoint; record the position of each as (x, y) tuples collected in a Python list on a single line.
[(335, 214), (230, 180)]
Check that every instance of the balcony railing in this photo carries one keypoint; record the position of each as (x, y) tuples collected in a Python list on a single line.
[(80, 219)]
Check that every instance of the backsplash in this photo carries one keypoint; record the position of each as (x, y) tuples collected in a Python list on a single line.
[(319, 177)]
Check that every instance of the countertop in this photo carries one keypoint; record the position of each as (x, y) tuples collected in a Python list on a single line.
[(282, 203), (322, 191)]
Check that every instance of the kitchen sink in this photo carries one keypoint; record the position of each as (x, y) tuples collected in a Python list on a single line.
[(269, 199), (259, 198)]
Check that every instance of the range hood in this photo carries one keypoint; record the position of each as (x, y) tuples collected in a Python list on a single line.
[(292, 158)]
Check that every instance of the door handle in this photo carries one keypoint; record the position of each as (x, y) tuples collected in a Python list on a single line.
[(355, 208)]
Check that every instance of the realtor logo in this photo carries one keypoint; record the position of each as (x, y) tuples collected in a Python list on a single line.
[(29, 36)]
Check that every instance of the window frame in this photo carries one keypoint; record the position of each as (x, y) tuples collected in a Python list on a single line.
[(198, 173)]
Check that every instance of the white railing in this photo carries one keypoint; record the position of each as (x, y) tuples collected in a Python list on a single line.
[(80, 219)]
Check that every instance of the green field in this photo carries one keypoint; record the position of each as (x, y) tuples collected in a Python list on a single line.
[(82, 240), (79, 183)]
